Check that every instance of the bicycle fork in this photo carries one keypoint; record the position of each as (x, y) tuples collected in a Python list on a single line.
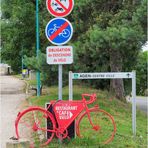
[(94, 127)]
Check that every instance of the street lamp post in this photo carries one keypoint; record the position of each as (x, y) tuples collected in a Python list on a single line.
[(22, 56), (37, 46)]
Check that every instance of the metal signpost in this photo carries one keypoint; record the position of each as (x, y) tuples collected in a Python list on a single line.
[(59, 55), (59, 31), (37, 46), (115, 75)]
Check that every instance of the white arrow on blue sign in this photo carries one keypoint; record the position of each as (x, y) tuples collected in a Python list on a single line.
[(59, 31)]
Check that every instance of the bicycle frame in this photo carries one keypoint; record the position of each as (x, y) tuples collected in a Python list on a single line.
[(67, 111), (63, 113)]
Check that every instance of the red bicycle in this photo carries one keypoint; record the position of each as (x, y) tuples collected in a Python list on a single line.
[(91, 123)]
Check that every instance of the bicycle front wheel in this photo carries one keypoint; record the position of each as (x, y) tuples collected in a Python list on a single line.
[(103, 129), (32, 124)]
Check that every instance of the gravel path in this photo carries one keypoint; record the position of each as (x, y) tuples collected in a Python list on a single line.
[(12, 97)]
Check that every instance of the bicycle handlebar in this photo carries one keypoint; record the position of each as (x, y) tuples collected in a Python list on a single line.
[(93, 97)]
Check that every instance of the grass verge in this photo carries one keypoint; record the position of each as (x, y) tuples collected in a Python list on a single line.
[(122, 113)]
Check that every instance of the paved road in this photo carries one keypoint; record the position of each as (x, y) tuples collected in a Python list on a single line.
[(142, 103), (11, 98)]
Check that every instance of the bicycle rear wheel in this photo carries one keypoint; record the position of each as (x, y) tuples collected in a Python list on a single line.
[(104, 128), (32, 124)]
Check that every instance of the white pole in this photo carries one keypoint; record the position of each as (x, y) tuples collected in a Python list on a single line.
[(134, 102), (70, 86), (60, 82)]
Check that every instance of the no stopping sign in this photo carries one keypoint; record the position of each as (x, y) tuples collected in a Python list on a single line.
[(59, 8)]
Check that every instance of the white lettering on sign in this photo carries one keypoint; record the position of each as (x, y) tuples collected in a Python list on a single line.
[(66, 108), (65, 111), (64, 114), (59, 55)]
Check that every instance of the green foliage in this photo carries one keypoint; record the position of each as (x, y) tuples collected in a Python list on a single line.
[(39, 64), (102, 29), (113, 30), (141, 73), (49, 74), (18, 31), (119, 110), (111, 36)]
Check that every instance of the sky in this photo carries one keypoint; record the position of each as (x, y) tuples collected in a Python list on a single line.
[(145, 47)]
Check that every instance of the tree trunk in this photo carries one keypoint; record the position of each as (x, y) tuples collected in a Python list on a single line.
[(116, 85)]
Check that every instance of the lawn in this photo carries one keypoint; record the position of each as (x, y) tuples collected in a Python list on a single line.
[(119, 110)]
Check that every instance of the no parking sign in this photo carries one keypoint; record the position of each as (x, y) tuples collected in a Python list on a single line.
[(59, 31), (59, 8)]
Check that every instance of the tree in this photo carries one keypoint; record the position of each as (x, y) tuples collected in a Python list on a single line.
[(112, 32), (108, 36), (18, 31), (141, 73)]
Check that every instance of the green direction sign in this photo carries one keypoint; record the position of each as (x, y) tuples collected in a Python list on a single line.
[(75, 76)]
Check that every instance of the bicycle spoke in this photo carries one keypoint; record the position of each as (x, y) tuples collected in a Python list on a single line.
[(103, 128), (25, 123), (46, 130), (35, 120)]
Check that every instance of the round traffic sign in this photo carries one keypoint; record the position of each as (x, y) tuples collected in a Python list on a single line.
[(59, 8), (59, 31)]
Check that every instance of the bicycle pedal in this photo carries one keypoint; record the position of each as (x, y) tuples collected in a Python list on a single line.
[(13, 138)]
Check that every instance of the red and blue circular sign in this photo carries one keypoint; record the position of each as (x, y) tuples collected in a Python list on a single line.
[(59, 31), (59, 8)]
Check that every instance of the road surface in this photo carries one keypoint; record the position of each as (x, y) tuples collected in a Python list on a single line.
[(12, 96), (141, 103)]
